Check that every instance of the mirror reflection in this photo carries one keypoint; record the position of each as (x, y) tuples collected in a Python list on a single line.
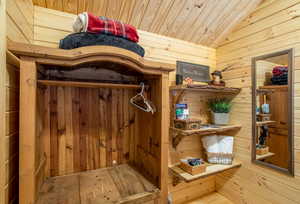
[(272, 135)]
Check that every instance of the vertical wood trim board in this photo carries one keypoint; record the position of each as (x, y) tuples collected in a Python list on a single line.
[(272, 27), (27, 132), (165, 135)]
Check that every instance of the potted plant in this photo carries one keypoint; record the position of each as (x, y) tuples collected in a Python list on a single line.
[(220, 109)]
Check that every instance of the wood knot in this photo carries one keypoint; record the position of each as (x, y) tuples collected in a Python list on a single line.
[(61, 131), (198, 5), (69, 147), (31, 82)]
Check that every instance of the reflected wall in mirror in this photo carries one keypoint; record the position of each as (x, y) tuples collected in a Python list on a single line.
[(272, 111)]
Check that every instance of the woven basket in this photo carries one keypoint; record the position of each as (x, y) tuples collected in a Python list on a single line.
[(219, 158)]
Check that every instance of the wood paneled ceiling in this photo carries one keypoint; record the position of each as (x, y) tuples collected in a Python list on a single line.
[(204, 22)]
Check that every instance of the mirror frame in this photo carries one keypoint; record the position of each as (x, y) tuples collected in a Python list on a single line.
[(290, 169)]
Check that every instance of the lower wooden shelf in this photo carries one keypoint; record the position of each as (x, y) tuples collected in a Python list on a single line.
[(179, 134), (262, 123), (120, 184), (210, 170), (264, 156)]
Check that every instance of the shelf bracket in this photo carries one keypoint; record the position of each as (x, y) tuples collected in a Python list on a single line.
[(177, 137), (176, 180)]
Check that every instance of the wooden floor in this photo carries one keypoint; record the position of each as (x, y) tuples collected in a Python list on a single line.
[(213, 198), (120, 184)]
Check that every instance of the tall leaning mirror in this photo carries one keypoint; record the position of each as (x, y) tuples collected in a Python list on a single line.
[(272, 111)]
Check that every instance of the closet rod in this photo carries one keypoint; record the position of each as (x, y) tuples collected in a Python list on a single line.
[(88, 84)]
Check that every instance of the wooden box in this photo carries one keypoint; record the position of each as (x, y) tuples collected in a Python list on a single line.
[(193, 170), (262, 151), (264, 117), (188, 124)]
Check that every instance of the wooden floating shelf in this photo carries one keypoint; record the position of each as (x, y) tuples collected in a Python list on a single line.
[(264, 91), (206, 88), (262, 123), (274, 87), (264, 156), (211, 169), (179, 134), (88, 84)]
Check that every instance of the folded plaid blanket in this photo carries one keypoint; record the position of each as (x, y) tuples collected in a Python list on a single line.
[(279, 70), (87, 22)]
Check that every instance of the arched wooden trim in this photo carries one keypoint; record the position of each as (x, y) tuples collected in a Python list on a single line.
[(90, 54)]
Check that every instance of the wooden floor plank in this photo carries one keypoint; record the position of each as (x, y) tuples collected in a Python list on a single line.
[(213, 198), (119, 184), (97, 187), (62, 190)]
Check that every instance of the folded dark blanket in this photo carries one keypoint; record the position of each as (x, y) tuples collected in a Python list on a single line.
[(280, 80), (280, 83), (83, 39)]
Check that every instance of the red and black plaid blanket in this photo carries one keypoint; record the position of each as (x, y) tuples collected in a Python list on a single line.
[(109, 26)]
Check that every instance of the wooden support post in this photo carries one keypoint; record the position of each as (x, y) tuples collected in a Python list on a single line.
[(27, 161), (165, 114)]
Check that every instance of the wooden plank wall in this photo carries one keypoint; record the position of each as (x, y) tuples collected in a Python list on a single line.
[(11, 131), (85, 128), (264, 72), (158, 48), (148, 141), (19, 24), (20, 20), (273, 26), (3, 160)]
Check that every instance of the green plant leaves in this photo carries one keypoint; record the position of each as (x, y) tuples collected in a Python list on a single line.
[(220, 105)]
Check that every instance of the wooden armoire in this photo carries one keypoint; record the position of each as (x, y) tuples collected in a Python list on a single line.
[(81, 141)]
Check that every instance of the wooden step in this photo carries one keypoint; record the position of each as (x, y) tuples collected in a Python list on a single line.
[(213, 198)]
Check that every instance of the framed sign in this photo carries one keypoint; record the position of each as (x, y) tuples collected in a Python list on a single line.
[(197, 72)]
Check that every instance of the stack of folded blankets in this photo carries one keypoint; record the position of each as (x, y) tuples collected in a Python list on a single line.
[(92, 30), (280, 75)]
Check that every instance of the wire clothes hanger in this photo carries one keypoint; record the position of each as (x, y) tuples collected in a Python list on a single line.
[(141, 102)]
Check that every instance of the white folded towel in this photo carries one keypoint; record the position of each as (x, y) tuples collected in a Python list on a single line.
[(226, 146), (211, 144)]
